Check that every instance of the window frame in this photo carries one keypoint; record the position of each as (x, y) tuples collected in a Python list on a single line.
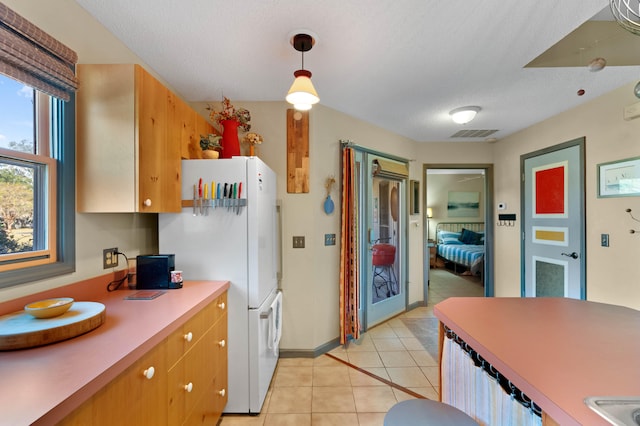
[(61, 122)]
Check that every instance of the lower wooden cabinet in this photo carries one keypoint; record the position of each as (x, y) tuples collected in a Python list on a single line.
[(182, 381), (194, 388), (205, 407)]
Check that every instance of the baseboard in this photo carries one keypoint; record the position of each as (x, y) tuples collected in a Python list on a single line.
[(415, 305), (330, 345), (310, 353)]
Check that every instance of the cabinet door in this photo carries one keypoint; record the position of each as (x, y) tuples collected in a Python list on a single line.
[(159, 158), (202, 128), (130, 399), (106, 154), (186, 124)]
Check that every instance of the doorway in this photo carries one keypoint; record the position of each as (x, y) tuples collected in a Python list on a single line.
[(457, 197)]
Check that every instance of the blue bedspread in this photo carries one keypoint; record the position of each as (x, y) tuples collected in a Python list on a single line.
[(470, 256)]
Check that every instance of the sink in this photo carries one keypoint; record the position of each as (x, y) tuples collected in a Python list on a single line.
[(617, 410)]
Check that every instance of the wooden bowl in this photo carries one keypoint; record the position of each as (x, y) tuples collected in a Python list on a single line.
[(49, 308)]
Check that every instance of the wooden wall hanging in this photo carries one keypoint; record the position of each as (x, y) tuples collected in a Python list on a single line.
[(297, 151)]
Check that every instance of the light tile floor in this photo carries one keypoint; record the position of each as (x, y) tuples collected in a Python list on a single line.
[(325, 391)]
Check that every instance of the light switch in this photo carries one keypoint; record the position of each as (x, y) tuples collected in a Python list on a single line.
[(298, 242), (329, 239)]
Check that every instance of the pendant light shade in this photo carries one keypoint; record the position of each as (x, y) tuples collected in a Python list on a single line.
[(302, 94)]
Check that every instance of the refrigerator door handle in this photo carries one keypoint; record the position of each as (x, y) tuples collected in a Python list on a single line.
[(279, 241), (265, 315)]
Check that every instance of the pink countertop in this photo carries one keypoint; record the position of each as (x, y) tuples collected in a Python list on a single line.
[(42, 385), (557, 351)]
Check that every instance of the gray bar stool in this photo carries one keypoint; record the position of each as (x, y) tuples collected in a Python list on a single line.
[(424, 412)]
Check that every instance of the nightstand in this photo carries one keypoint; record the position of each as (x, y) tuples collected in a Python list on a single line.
[(433, 249)]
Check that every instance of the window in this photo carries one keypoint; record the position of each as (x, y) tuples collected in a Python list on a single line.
[(37, 192), (37, 164)]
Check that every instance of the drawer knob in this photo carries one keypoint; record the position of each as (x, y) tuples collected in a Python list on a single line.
[(223, 392), (221, 305), (188, 337), (147, 202), (149, 372), (188, 387), (222, 343)]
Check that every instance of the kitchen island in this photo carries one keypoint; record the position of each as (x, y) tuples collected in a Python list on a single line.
[(43, 385), (557, 351)]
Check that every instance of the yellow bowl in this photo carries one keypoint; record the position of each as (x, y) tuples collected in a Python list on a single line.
[(49, 308)]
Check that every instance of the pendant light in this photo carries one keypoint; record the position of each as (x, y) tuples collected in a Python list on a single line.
[(302, 94)]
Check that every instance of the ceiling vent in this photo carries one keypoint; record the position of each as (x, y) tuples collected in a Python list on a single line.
[(473, 133)]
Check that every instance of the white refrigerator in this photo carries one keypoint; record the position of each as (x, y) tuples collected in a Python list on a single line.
[(232, 234)]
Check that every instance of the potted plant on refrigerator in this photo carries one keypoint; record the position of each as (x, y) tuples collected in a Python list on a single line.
[(210, 146)]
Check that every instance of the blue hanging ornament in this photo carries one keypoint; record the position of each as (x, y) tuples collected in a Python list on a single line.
[(328, 205), (328, 202)]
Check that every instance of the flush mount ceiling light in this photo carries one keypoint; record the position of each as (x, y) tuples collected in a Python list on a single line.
[(464, 115), (302, 94), (597, 64)]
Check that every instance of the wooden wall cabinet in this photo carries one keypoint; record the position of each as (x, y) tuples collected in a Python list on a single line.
[(131, 134), (189, 126), (188, 386)]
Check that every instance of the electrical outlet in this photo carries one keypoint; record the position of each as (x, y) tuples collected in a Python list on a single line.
[(298, 242), (329, 239), (110, 258)]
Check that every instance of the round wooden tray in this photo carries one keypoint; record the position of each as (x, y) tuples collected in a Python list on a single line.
[(21, 330)]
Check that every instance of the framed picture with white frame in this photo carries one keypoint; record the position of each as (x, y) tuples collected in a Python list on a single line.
[(619, 178)]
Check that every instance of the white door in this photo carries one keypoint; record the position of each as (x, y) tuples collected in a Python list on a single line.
[(553, 225)]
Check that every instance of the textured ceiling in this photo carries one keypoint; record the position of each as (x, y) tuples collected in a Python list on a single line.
[(401, 65)]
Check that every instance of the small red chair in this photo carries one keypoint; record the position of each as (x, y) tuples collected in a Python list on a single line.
[(384, 256)]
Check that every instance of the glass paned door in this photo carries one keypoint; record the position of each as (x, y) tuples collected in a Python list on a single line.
[(382, 278)]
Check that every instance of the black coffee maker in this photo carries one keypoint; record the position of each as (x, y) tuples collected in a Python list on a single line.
[(154, 271)]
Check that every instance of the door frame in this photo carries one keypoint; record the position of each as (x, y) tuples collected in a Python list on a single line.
[(362, 155), (580, 142), (488, 225)]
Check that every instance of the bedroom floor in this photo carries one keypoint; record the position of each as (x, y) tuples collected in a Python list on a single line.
[(357, 385)]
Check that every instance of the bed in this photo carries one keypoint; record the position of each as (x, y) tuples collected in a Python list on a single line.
[(462, 245)]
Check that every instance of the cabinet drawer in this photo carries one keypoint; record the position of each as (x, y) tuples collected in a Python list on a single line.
[(207, 411), (201, 374), (208, 408), (220, 381), (180, 341)]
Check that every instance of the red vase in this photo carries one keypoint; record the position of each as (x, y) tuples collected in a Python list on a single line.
[(230, 142)]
